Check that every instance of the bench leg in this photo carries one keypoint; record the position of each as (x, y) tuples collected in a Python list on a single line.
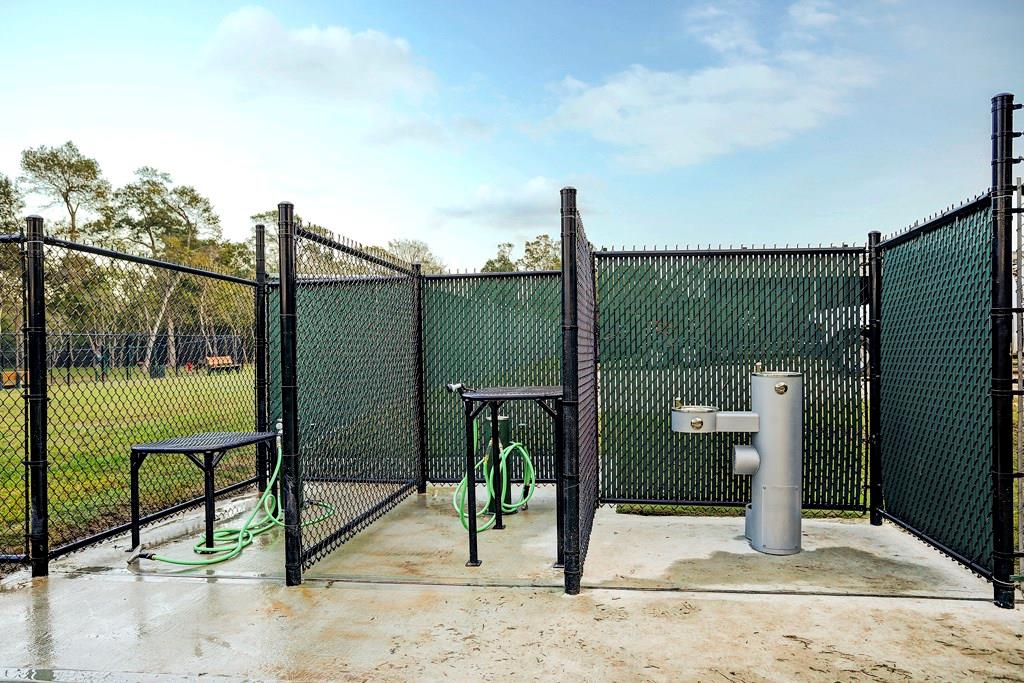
[(136, 463), (474, 558), (209, 493)]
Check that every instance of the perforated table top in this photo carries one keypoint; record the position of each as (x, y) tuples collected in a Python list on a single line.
[(208, 442), (512, 393)]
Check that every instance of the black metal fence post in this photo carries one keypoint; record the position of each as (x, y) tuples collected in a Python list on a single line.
[(570, 396), (35, 335), (874, 333), (260, 334), (1002, 335), (418, 398), (289, 397)]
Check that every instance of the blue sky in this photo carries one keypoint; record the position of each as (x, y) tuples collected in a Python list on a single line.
[(732, 122)]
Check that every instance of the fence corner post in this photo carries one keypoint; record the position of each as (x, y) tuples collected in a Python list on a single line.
[(289, 396), (570, 395), (1002, 334), (35, 338), (419, 399), (875, 495), (262, 369)]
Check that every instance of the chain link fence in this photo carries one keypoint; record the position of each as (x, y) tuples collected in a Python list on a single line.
[(138, 351), (13, 481), (579, 389), (936, 412), (356, 379), (486, 330), (692, 325)]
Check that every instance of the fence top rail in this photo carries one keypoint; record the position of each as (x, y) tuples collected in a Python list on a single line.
[(512, 274), (147, 261), (301, 280), (732, 251), (11, 239), (392, 262), (945, 218)]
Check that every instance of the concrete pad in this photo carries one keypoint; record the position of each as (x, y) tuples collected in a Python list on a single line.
[(666, 598), (421, 541), (86, 627), (841, 557)]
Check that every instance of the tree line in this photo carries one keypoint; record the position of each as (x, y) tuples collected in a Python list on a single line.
[(97, 299)]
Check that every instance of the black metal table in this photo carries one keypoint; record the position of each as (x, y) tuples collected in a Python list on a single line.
[(474, 401), (205, 451)]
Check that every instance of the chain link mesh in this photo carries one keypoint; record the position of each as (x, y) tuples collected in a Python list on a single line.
[(485, 331), (586, 373), (356, 386), (13, 484), (130, 360), (692, 325), (936, 368)]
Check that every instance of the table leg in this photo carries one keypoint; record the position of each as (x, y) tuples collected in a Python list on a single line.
[(496, 480), (559, 485), (136, 462), (209, 493), (474, 560)]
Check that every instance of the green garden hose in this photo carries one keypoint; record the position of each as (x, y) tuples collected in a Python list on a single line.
[(230, 542), (460, 499)]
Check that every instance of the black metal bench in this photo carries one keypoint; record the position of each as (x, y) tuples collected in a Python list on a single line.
[(205, 451)]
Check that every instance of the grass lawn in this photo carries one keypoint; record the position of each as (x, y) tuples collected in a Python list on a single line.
[(92, 426)]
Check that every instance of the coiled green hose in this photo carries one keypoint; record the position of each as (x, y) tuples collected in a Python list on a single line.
[(230, 542), (460, 499)]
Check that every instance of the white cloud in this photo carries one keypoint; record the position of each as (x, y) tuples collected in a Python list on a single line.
[(516, 212), (756, 97), (727, 31), (813, 14), (251, 46)]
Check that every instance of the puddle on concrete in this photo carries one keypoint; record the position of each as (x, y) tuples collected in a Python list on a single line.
[(827, 569)]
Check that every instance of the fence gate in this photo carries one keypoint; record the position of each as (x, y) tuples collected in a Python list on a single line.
[(348, 386), (579, 390)]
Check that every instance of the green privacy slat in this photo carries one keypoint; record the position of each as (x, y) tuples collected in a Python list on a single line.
[(489, 331), (692, 325), (936, 426), (588, 455), (356, 390)]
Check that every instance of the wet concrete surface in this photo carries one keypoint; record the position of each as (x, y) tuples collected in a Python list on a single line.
[(668, 598)]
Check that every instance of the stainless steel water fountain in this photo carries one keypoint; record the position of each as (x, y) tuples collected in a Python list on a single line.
[(774, 458)]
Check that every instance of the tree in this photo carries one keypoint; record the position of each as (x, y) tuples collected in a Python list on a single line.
[(11, 206), (416, 251), (542, 253), (502, 263), (65, 176), (11, 346), (172, 222), (164, 219)]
